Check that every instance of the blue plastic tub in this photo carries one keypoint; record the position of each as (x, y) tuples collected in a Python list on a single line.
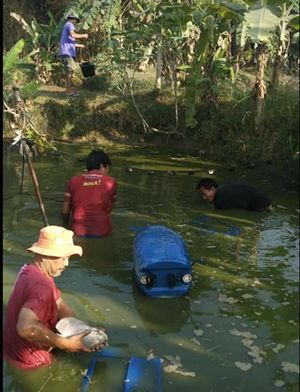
[(162, 267)]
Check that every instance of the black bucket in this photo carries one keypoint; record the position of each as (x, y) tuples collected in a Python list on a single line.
[(87, 69)]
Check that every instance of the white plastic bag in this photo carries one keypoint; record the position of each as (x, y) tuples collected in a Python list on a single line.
[(70, 326)]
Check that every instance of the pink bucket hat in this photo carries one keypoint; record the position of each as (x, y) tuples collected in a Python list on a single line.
[(55, 241)]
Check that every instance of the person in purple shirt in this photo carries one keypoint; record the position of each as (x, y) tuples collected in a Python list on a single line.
[(67, 49)]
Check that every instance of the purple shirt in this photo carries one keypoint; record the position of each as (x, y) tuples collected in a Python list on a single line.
[(67, 43)]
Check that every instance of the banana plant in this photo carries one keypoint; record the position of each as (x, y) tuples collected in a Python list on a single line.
[(44, 39), (13, 65), (214, 22), (17, 70), (261, 24), (289, 21)]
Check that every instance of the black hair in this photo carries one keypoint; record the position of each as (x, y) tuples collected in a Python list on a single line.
[(96, 158), (207, 183)]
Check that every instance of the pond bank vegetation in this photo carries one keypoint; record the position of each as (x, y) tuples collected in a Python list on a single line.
[(222, 81)]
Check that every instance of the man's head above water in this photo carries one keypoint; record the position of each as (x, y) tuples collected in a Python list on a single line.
[(98, 160), (53, 249), (208, 189)]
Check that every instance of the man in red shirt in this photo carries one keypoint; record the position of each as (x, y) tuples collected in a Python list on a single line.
[(35, 304), (89, 198)]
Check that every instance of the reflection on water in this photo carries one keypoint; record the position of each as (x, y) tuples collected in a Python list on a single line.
[(236, 330), (175, 310)]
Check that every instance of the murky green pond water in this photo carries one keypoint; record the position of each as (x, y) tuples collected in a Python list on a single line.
[(236, 330)]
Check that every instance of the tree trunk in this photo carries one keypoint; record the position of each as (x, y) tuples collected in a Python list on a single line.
[(281, 54), (276, 70), (260, 88), (237, 60), (174, 88), (209, 96), (233, 44), (159, 62), (143, 64)]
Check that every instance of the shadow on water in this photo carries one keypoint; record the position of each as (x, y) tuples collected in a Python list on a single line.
[(240, 317)]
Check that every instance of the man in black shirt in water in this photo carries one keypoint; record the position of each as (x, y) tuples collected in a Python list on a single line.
[(234, 195)]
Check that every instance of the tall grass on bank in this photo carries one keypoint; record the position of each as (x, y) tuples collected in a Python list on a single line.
[(229, 131)]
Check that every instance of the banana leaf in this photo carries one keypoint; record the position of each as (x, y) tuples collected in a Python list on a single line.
[(29, 89), (294, 22), (12, 56), (262, 22)]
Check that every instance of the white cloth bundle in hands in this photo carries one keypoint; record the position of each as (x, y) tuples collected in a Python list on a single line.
[(69, 326)]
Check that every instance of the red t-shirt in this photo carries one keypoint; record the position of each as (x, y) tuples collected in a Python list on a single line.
[(92, 196), (35, 291)]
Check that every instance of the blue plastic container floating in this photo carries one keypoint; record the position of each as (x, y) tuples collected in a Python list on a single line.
[(162, 267), (143, 375)]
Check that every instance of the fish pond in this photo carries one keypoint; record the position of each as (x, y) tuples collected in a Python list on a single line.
[(237, 327)]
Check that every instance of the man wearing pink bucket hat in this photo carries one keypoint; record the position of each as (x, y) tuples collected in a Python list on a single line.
[(35, 304)]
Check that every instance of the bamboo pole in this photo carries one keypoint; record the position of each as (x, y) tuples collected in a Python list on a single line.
[(35, 182)]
